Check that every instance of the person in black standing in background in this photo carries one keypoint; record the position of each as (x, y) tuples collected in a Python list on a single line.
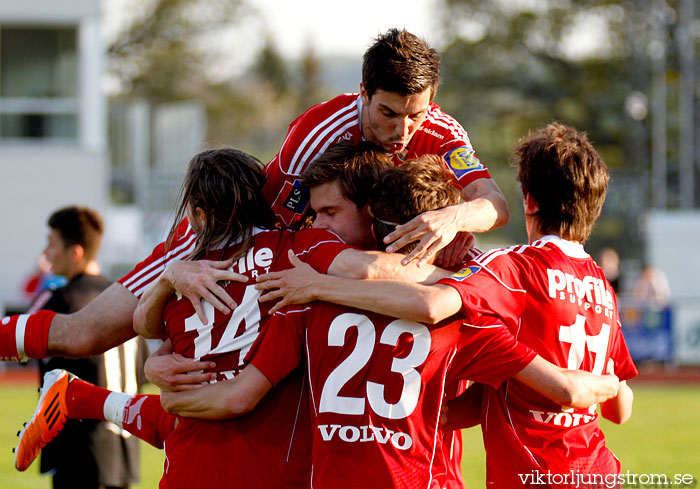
[(88, 454)]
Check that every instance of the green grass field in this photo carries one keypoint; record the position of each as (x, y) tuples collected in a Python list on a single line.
[(663, 437), (17, 405)]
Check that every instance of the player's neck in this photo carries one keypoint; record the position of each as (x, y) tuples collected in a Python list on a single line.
[(365, 128), (90, 268), (533, 229)]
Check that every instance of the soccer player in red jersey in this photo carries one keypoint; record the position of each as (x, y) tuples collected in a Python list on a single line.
[(221, 195), (551, 295), (269, 447), (394, 110), (378, 383)]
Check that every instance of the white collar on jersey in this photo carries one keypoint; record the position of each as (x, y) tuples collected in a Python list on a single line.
[(570, 248), (360, 105), (256, 230)]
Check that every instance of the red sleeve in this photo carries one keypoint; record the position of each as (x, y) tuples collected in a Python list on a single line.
[(137, 280), (489, 353), (454, 146), (288, 199), (465, 166), (484, 292), (309, 135), (277, 351), (624, 365), (318, 247)]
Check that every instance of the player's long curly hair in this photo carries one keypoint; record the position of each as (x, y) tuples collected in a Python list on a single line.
[(227, 185)]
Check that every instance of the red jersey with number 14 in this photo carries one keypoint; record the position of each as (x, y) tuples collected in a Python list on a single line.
[(268, 447), (555, 299), (377, 385)]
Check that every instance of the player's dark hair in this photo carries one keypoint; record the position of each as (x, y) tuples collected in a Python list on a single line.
[(227, 185), (405, 191), (78, 225), (566, 176), (400, 62), (356, 167)]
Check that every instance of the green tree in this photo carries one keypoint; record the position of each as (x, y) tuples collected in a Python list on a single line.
[(271, 67), (310, 86), (509, 67), (164, 54)]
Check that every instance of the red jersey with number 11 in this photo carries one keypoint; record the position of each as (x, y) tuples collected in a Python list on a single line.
[(555, 299)]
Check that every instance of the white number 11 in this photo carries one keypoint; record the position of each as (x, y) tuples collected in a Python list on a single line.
[(579, 340)]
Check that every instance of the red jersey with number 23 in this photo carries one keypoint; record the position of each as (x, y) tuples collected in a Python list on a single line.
[(377, 384), (268, 447), (555, 299)]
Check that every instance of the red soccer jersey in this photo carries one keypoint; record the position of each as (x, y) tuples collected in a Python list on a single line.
[(144, 273), (556, 300), (377, 385), (339, 119), (268, 447), (310, 135)]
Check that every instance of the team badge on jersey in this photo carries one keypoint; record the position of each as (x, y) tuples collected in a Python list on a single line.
[(292, 202), (466, 272), (462, 160)]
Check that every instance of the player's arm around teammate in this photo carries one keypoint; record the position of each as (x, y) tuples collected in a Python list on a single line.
[(417, 302), (237, 396), (221, 400), (618, 409), (427, 304), (445, 234), (75, 335)]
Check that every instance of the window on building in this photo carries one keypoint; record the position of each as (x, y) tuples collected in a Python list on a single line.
[(38, 83)]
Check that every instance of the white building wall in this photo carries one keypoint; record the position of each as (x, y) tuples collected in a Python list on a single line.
[(93, 105), (33, 183), (673, 239), (53, 12), (37, 177)]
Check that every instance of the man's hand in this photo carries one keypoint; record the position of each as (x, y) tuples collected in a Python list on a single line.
[(454, 254), (433, 230), (173, 372), (199, 280), (291, 285)]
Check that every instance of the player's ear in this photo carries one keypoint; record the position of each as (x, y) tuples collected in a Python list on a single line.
[(363, 94), (77, 252), (530, 204), (372, 221), (200, 216)]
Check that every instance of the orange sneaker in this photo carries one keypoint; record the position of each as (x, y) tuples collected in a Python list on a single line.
[(48, 419)]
